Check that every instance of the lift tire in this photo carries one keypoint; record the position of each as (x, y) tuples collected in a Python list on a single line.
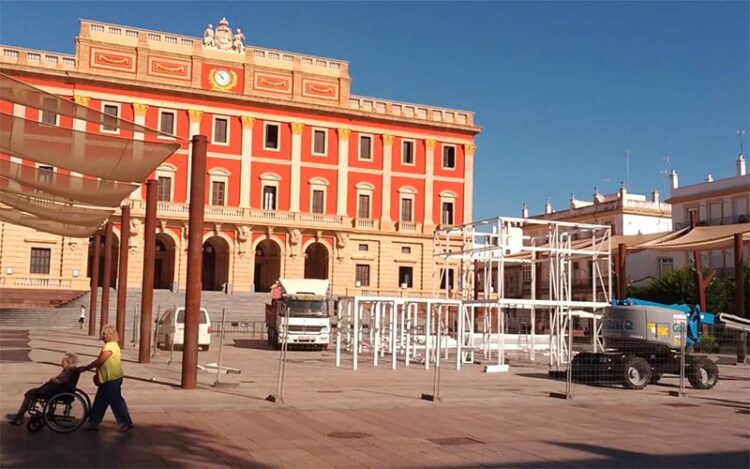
[(703, 373), (636, 372)]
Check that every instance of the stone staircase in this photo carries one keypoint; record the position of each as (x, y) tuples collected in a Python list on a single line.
[(240, 307)]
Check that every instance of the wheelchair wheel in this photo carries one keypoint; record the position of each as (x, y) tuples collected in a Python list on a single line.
[(85, 397), (65, 412), (36, 423)]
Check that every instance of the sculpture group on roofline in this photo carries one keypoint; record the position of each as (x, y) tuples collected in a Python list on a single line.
[(223, 39)]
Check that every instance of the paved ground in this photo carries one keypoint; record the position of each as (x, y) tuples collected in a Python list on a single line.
[(373, 417)]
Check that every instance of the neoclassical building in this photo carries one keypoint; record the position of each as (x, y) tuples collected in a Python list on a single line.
[(304, 179)]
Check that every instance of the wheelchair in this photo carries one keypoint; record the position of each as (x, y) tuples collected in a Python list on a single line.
[(64, 412)]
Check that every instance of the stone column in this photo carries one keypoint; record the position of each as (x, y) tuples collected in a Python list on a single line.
[(245, 171), (139, 111), (195, 129), (385, 217), (294, 190), (429, 145), (468, 182), (342, 184)]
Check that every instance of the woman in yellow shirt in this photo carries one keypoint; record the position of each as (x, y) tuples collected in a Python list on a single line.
[(109, 381)]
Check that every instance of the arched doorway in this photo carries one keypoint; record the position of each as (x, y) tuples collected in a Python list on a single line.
[(316, 261), (267, 265), (115, 257), (164, 262), (215, 263)]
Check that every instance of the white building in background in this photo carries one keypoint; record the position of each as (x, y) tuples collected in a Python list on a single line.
[(627, 214), (717, 202)]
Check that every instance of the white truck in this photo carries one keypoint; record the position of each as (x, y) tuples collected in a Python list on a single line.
[(299, 313)]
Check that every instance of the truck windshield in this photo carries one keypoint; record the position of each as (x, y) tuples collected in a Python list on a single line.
[(308, 308)]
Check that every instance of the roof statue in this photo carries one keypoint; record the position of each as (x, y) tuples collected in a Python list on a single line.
[(223, 39)]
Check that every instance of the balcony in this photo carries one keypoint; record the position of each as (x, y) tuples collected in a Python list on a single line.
[(408, 227), (730, 220), (238, 215), (366, 224)]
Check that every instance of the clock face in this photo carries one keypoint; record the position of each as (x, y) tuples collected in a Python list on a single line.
[(222, 77)]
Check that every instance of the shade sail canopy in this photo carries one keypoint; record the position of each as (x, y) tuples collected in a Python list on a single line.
[(640, 242), (48, 226), (104, 156), (22, 179), (73, 215), (705, 238), (18, 92)]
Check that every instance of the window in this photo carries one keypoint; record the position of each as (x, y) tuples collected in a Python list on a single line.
[(318, 201), (365, 147), (405, 249), (166, 122), (407, 213), (269, 197), (405, 277), (447, 213), (109, 122), (526, 273), (46, 174), (40, 259), (664, 264), (319, 142), (49, 114), (221, 130), (407, 151), (362, 275), (447, 278), (271, 136), (218, 191), (363, 206), (364, 247), (449, 157), (164, 189)]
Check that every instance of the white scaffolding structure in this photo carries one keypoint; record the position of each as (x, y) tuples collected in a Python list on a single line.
[(470, 318), (483, 252)]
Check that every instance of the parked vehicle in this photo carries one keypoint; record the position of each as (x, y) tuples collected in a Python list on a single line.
[(299, 313), (170, 329)]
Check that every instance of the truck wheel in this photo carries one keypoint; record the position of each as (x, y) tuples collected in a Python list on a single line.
[(703, 374), (637, 372)]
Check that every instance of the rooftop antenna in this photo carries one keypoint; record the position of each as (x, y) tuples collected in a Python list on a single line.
[(665, 170), (627, 170), (741, 134)]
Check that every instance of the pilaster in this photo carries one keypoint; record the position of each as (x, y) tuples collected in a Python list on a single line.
[(468, 182), (139, 113), (428, 184), (195, 116), (245, 165), (294, 189), (19, 110), (79, 125), (386, 222), (342, 187)]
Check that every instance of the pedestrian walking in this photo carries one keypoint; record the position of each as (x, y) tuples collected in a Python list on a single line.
[(82, 317), (108, 380)]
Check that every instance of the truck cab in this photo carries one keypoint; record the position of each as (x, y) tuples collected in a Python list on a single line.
[(298, 313)]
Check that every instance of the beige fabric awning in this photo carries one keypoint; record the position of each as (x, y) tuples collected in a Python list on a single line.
[(73, 215), (104, 156), (705, 238), (640, 242), (48, 226), (16, 91), (20, 179)]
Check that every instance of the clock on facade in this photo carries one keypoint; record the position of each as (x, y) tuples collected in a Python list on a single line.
[(222, 79)]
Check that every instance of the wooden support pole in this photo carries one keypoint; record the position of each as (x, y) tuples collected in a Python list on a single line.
[(122, 274), (194, 262), (147, 287), (740, 286), (107, 275), (621, 268), (94, 282)]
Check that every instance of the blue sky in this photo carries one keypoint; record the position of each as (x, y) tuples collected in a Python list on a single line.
[(561, 89)]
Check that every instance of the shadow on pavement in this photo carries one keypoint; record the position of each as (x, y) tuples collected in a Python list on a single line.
[(148, 445)]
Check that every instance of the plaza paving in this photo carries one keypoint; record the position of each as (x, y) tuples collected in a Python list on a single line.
[(372, 417)]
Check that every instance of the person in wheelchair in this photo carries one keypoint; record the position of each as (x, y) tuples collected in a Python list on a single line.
[(63, 382)]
